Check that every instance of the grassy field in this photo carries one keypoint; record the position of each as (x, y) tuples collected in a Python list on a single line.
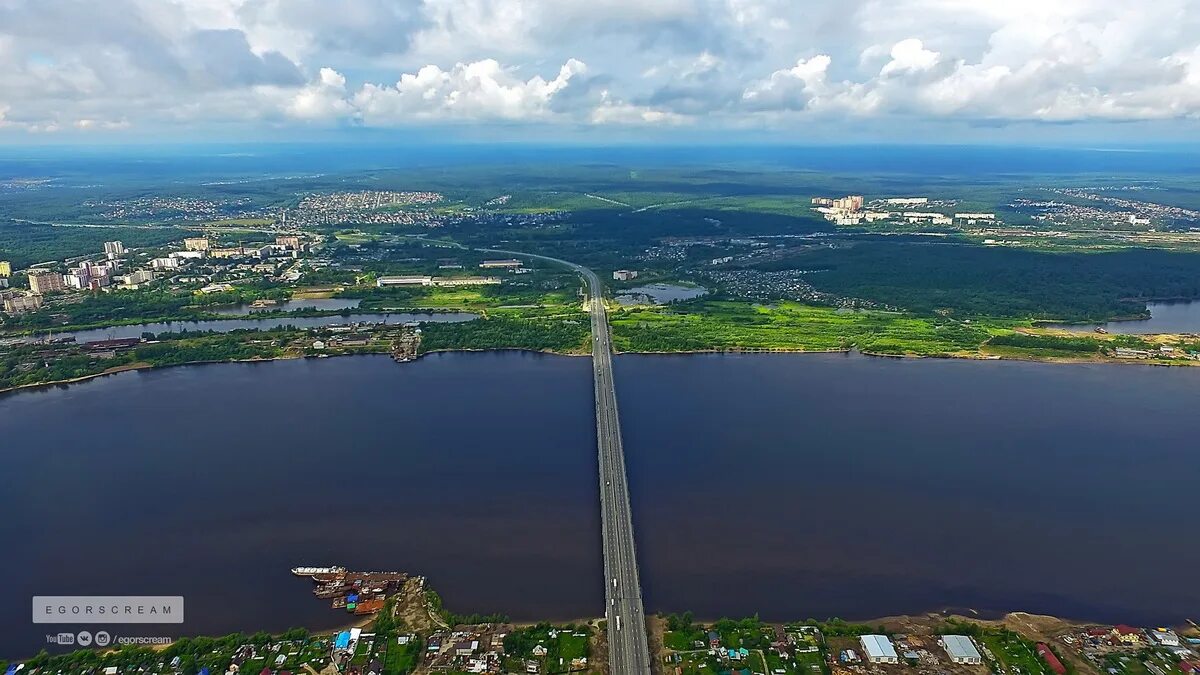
[(794, 326), (1015, 654)]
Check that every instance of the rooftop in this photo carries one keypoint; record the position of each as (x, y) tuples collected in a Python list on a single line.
[(878, 646), (960, 647)]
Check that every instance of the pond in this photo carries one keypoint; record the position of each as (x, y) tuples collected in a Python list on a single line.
[(659, 294)]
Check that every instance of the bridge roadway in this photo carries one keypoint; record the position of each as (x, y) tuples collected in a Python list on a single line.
[(628, 648)]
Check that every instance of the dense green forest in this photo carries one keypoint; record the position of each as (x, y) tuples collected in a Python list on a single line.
[(501, 332), (971, 280), (143, 306), (1083, 345), (26, 244)]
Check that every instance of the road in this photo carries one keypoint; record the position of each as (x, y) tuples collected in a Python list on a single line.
[(628, 648)]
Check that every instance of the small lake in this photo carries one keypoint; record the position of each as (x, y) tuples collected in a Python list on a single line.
[(227, 325), (659, 294), (323, 304), (1165, 317)]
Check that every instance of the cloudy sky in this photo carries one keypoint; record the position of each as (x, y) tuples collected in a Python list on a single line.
[(800, 70)]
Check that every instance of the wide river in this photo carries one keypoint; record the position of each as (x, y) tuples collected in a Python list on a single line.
[(788, 485)]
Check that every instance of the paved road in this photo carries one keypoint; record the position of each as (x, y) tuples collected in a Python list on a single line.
[(629, 652)]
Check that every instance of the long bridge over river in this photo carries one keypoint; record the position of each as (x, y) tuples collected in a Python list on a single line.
[(629, 652)]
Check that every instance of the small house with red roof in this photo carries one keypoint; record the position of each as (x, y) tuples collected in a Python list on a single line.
[(1050, 659)]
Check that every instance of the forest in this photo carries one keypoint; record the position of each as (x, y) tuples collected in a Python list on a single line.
[(968, 280), (25, 244)]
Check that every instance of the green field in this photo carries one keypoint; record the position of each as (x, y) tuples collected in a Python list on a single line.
[(724, 325), (1014, 654), (561, 643)]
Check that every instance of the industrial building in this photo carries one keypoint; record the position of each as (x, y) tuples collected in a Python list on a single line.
[(510, 263), (411, 280), (424, 280), (465, 281), (961, 649), (879, 649), (625, 275)]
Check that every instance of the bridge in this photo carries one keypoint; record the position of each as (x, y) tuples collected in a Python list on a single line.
[(628, 647)]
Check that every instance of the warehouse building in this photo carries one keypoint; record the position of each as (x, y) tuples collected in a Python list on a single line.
[(961, 649), (412, 280), (492, 264), (879, 649)]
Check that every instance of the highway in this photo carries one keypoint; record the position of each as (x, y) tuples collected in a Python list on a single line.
[(628, 647)]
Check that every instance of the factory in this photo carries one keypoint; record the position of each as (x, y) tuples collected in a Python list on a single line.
[(425, 280)]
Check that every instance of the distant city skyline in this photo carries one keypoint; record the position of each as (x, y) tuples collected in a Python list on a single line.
[(600, 70)]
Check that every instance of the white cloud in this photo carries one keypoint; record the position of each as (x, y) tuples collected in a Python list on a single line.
[(88, 124), (482, 90), (323, 99), (908, 57), (187, 64), (795, 88)]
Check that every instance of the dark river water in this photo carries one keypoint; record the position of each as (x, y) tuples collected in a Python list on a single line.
[(1165, 317), (227, 325), (787, 485)]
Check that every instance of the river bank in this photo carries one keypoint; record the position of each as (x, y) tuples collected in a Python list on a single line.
[(1062, 360)]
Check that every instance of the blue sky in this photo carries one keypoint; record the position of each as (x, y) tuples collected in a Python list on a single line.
[(596, 71)]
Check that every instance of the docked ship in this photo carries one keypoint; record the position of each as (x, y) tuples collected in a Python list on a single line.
[(318, 571), (360, 593)]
